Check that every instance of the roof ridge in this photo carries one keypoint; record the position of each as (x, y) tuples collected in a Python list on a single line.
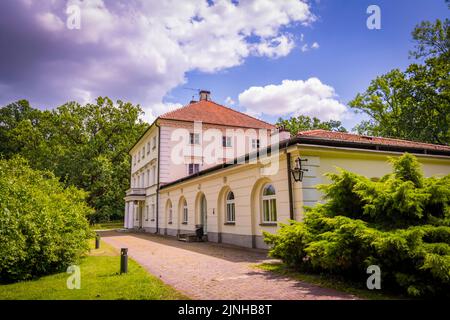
[(372, 137)]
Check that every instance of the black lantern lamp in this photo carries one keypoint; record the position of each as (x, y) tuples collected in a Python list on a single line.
[(297, 171)]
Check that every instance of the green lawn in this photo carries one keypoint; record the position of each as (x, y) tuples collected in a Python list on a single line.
[(328, 281), (108, 225), (100, 279)]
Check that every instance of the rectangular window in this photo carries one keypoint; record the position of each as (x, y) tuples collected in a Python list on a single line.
[(139, 156), (143, 152), (185, 214), (142, 180), (154, 142), (193, 168), (146, 213), (148, 147), (230, 212), (227, 141), (153, 212), (153, 175), (148, 178), (269, 210), (255, 143), (194, 138)]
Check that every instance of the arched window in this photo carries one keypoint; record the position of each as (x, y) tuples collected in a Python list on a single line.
[(269, 204), (185, 212), (230, 206)]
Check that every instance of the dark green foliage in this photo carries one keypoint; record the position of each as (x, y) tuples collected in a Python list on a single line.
[(303, 123), (84, 145), (43, 226), (400, 222), (413, 104)]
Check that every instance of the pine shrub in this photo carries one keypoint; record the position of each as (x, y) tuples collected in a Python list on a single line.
[(400, 222)]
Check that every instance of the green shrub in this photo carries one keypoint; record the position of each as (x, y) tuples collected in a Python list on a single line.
[(399, 222), (43, 226)]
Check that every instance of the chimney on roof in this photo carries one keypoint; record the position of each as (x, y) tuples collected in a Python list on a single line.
[(205, 95)]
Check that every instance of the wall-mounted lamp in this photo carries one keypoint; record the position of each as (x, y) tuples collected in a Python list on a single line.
[(297, 171)]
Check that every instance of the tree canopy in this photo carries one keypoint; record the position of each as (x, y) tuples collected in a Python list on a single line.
[(413, 104), (303, 123), (84, 145)]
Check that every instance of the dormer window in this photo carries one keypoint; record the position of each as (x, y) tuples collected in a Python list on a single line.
[(194, 138), (227, 142)]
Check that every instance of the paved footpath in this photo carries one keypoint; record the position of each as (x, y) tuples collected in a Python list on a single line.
[(214, 271)]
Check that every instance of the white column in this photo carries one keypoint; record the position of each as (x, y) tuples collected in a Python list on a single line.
[(125, 219)]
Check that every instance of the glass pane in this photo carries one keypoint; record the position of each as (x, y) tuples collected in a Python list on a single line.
[(234, 215), (230, 195), (265, 210), (269, 190), (273, 210)]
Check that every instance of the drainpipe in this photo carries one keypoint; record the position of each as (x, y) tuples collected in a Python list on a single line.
[(157, 180), (291, 196)]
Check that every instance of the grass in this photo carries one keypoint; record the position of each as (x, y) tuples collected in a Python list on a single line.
[(108, 225), (328, 281), (100, 280)]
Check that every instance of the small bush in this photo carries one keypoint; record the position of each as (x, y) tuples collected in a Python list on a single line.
[(43, 226), (400, 222)]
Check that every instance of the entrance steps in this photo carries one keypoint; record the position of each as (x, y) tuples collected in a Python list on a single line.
[(191, 237)]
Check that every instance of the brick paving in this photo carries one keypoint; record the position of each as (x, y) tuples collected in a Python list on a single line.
[(214, 271)]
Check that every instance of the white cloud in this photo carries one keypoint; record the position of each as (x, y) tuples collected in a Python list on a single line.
[(140, 50), (294, 97), (315, 45), (229, 101)]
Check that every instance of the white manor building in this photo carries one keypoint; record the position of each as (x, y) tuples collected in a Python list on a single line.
[(236, 176)]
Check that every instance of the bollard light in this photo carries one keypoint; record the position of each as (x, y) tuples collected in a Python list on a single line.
[(97, 241), (123, 260)]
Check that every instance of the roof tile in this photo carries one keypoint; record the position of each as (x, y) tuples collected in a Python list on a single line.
[(342, 136), (213, 113)]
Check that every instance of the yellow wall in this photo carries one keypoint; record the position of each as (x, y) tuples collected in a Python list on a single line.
[(247, 180)]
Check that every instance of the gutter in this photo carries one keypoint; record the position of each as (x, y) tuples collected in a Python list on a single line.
[(291, 196), (157, 182)]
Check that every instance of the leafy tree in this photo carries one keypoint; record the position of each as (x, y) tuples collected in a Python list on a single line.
[(400, 223), (303, 123), (414, 104), (84, 145), (43, 224)]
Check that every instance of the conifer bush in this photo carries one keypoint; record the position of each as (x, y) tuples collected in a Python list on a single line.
[(43, 226), (401, 222)]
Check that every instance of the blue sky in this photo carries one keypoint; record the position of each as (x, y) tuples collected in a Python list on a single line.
[(149, 51), (349, 57)]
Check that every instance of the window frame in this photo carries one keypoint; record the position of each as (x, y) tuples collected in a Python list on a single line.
[(194, 165), (230, 205), (170, 214), (194, 138), (225, 140), (269, 202), (185, 212)]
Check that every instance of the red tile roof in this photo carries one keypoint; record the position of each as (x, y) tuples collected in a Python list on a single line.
[(341, 136), (213, 113)]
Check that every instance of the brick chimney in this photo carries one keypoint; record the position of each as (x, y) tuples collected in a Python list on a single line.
[(205, 95)]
